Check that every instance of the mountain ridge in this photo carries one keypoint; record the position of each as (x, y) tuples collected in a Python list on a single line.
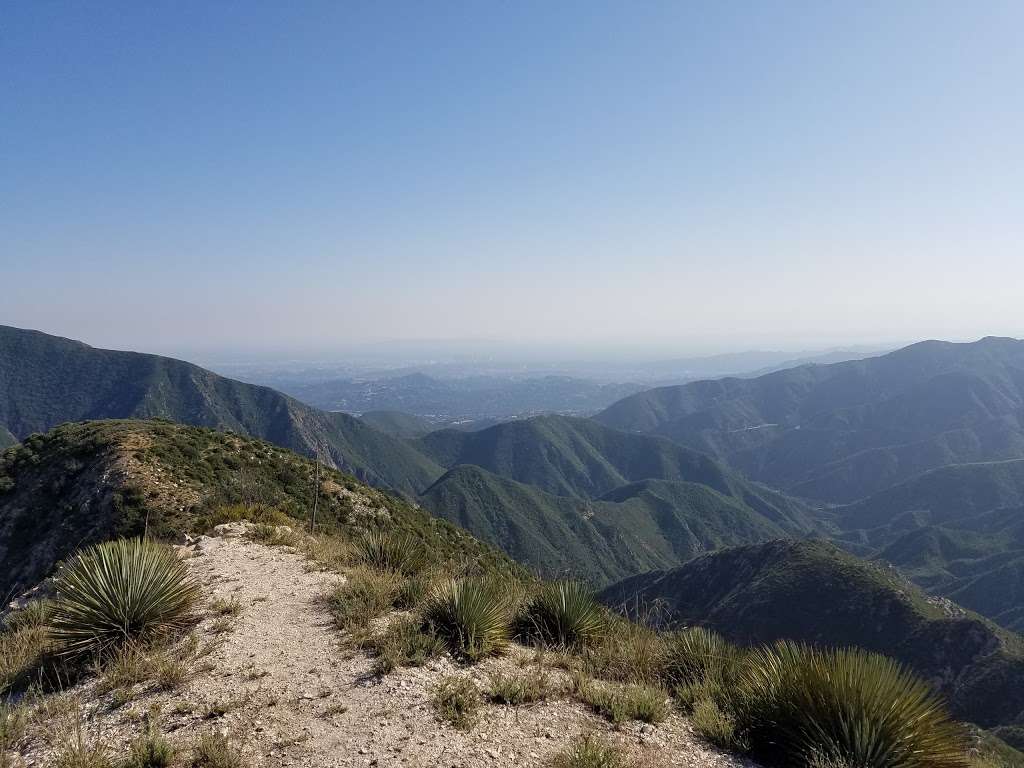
[(814, 592), (842, 431), (48, 380)]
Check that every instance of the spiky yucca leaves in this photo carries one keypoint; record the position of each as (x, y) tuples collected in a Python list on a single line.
[(471, 615), (564, 614), (397, 552), (118, 592), (803, 705)]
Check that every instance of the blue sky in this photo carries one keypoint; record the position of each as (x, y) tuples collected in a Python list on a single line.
[(692, 175)]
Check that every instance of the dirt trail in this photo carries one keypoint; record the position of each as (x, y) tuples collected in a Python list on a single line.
[(292, 695)]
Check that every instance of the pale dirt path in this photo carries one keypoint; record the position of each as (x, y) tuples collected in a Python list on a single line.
[(388, 721), (287, 693)]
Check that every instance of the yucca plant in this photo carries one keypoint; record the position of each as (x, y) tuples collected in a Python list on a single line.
[(803, 705), (564, 614), (119, 592), (398, 552), (470, 615)]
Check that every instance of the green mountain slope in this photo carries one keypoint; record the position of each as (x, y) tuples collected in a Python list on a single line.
[(637, 527), (88, 482), (812, 591), (48, 380), (6, 438), (957, 531), (397, 423), (841, 432), (945, 495), (579, 458)]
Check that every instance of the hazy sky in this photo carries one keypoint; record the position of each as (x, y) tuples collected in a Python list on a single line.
[(717, 174)]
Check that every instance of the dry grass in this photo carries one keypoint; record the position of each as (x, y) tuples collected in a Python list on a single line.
[(590, 752), (366, 594), (23, 653), (517, 688), (456, 700), (405, 643), (225, 606), (621, 703), (628, 653), (213, 750)]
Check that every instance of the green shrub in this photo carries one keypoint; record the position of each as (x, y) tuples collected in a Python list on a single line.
[(520, 688), (628, 653), (406, 643), (564, 614), (414, 590), (845, 707), (470, 615), (590, 752), (401, 553), (363, 596), (121, 591), (457, 701)]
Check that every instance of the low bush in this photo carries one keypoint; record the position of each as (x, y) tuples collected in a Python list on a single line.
[(845, 707), (118, 592), (628, 653), (364, 595), (412, 591), (471, 615), (698, 655), (563, 614), (456, 700), (405, 643)]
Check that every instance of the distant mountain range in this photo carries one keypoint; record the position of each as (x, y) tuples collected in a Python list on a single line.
[(841, 432), (576, 497), (813, 592)]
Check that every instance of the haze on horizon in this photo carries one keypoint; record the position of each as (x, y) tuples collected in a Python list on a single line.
[(675, 176)]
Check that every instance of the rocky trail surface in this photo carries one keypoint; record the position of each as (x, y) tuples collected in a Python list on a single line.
[(286, 691)]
